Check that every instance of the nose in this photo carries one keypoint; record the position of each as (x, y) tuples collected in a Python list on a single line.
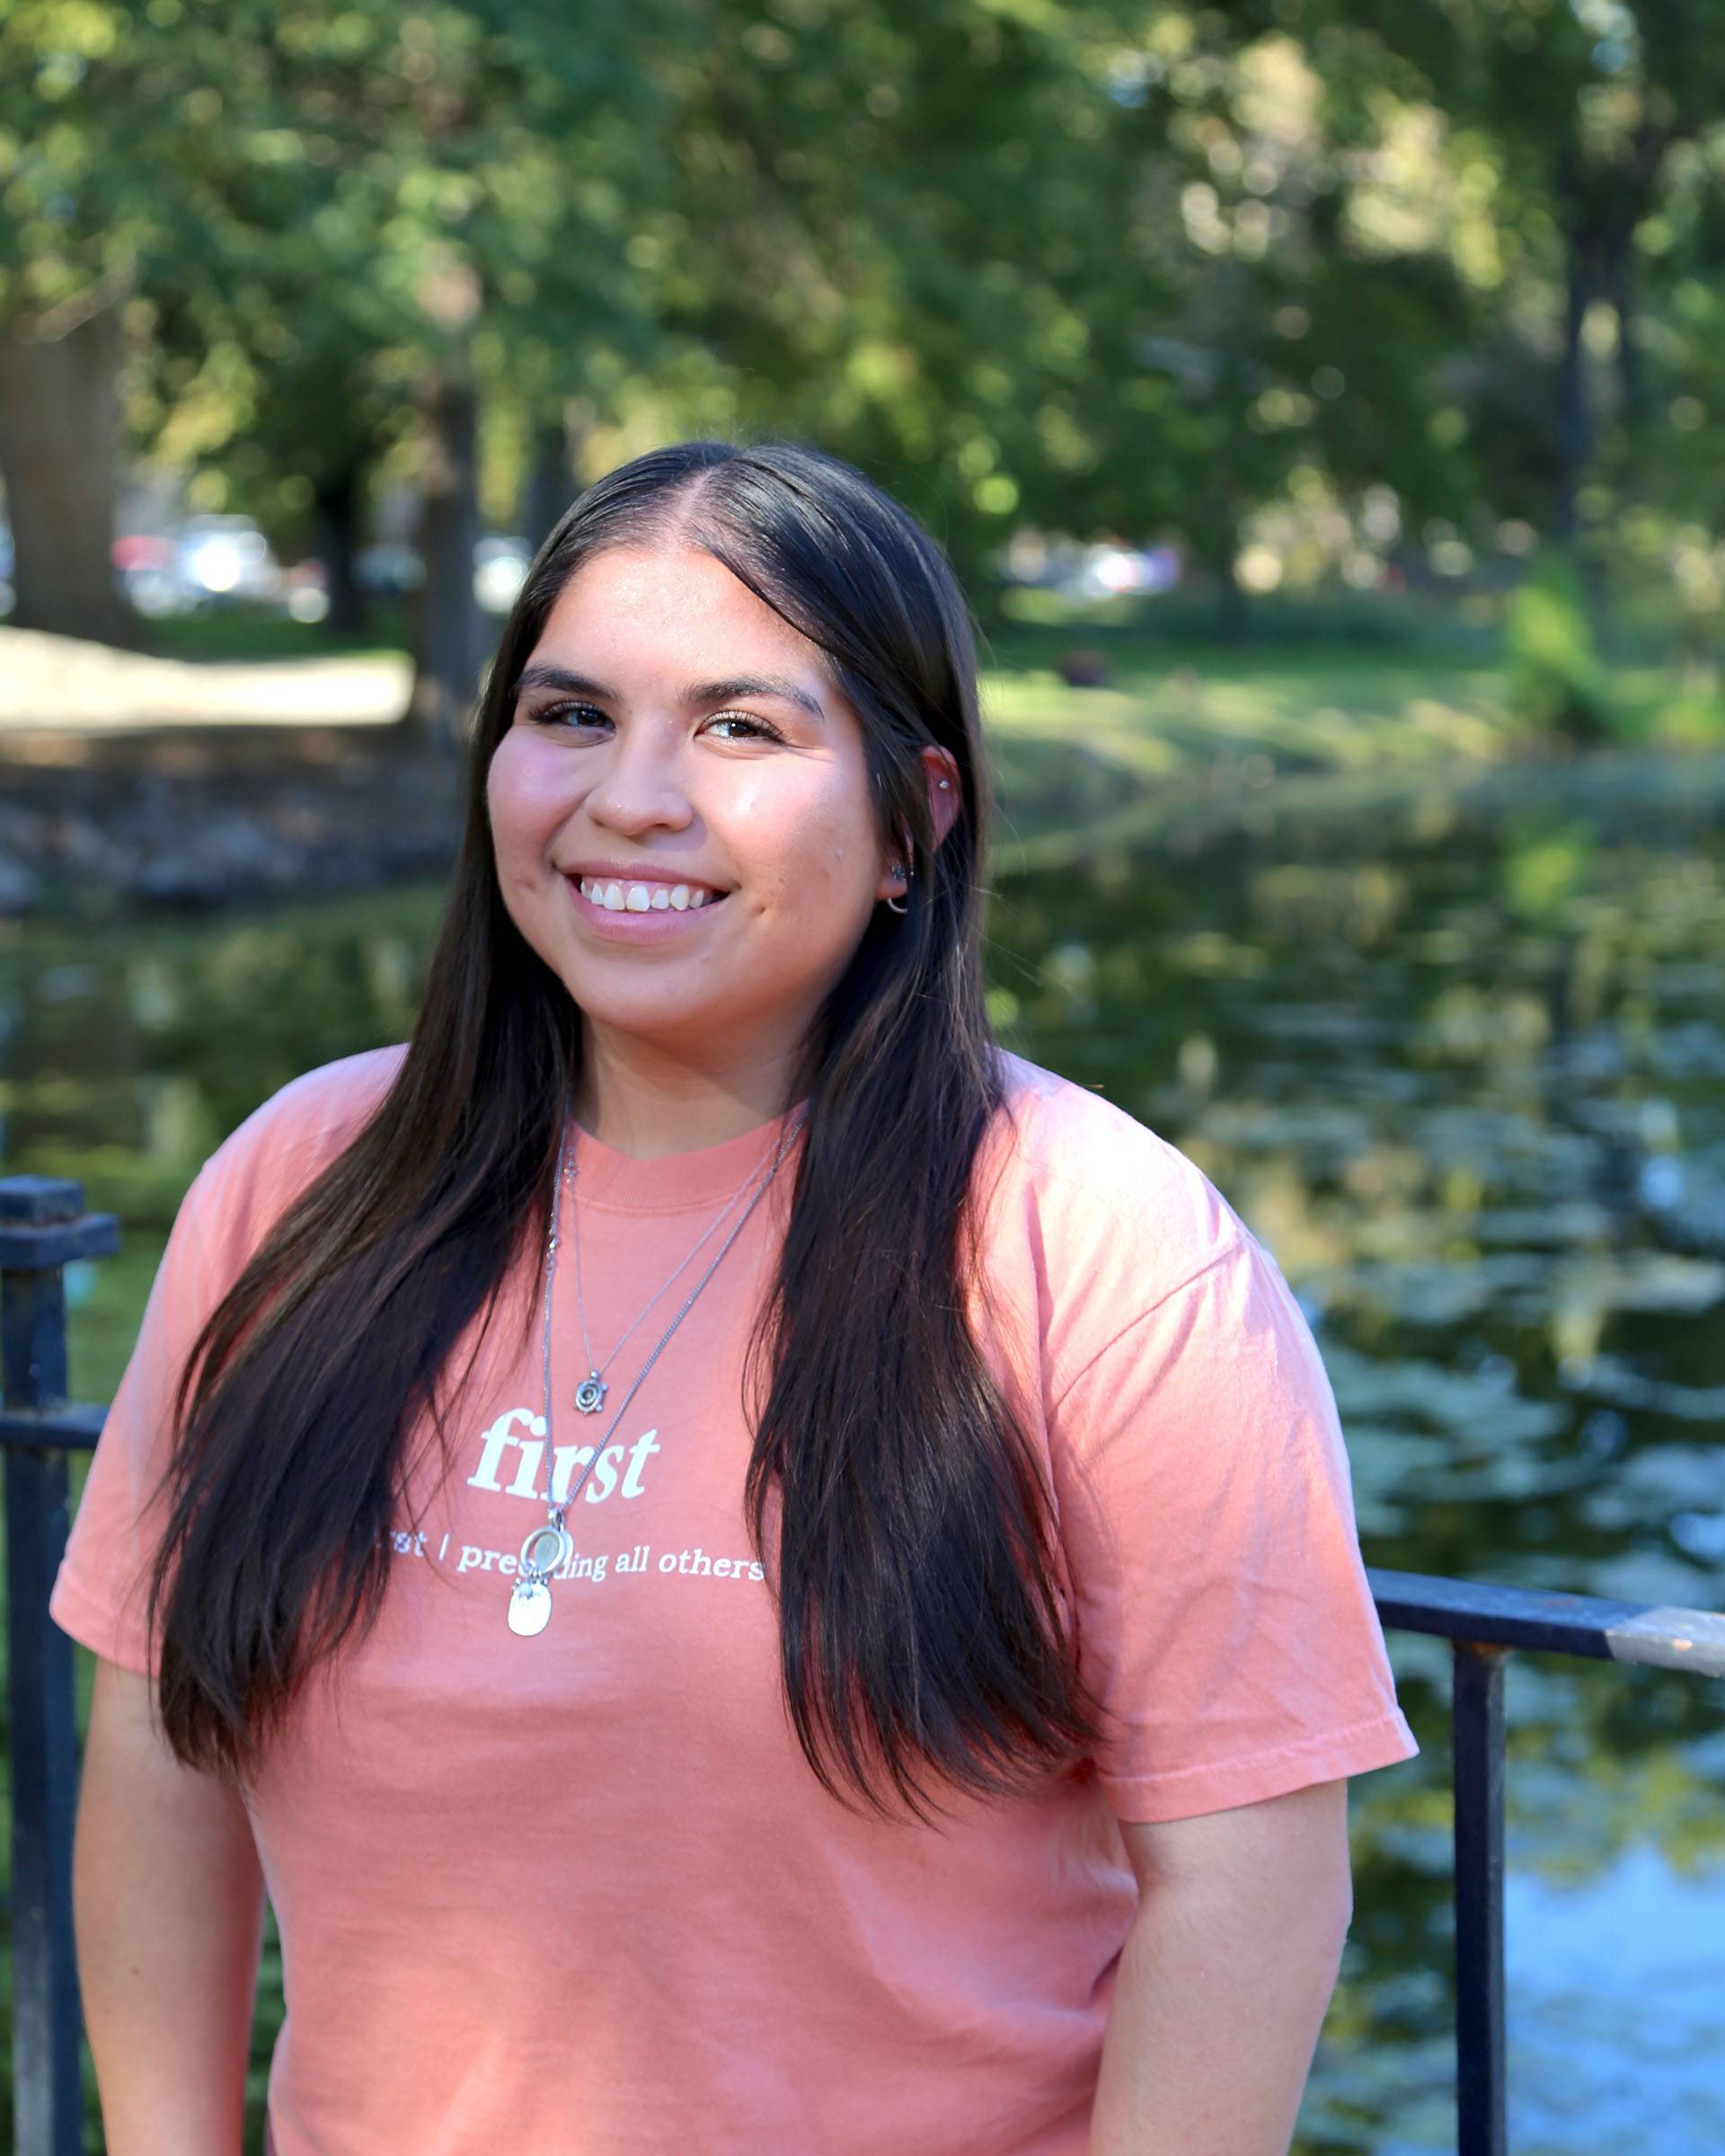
[(639, 787)]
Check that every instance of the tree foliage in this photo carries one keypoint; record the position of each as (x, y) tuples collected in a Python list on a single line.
[(1300, 280)]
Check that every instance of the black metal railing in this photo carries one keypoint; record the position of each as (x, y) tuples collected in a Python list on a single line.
[(43, 1226), (1482, 1624)]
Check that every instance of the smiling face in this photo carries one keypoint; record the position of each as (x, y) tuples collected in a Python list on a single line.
[(671, 730)]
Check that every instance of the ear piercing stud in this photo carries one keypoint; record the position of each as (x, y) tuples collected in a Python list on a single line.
[(901, 874)]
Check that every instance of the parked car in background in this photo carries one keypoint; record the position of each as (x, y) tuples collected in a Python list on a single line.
[(144, 569), (207, 562), (501, 566), (388, 569), (212, 561), (224, 559)]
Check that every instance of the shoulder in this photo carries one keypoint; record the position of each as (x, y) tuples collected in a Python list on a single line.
[(290, 1137), (1114, 1219), (1095, 1177)]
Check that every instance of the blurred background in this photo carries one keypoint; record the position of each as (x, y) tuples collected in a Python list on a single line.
[(1324, 403)]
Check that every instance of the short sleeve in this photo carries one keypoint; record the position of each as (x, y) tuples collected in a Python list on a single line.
[(1225, 1619), (100, 1592)]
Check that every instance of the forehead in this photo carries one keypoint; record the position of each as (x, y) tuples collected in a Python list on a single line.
[(669, 612)]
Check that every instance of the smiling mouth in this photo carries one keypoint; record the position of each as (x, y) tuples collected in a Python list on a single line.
[(614, 895)]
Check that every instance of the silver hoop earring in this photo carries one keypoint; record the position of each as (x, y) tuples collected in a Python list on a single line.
[(900, 875)]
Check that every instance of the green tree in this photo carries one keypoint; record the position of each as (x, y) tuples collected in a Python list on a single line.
[(69, 244), (367, 213), (1270, 339), (888, 232), (1586, 112)]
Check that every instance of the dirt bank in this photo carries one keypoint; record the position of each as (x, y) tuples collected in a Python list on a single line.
[(92, 825)]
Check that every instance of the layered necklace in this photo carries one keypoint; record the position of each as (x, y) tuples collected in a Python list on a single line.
[(548, 1548), (589, 1394)]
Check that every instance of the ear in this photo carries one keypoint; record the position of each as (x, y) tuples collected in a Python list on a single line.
[(946, 797)]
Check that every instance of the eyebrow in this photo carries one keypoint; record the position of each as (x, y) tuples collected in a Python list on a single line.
[(700, 693)]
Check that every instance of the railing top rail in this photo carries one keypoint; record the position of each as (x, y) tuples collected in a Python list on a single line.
[(73, 1428), (43, 1226), (32, 1200), (1655, 1633)]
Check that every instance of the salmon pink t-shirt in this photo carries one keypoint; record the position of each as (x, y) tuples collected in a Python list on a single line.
[(580, 1892)]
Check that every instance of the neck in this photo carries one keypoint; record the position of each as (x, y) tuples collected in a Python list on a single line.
[(648, 1104)]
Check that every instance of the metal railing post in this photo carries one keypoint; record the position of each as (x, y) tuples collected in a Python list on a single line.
[(42, 1225), (1481, 2094)]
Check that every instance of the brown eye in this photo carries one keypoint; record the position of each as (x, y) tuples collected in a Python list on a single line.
[(578, 714), (758, 727)]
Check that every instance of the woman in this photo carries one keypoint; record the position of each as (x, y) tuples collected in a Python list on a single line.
[(845, 1633)]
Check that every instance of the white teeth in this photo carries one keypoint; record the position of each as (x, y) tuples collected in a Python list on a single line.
[(645, 897)]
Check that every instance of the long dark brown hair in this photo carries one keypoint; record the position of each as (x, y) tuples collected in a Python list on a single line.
[(922, 1639)]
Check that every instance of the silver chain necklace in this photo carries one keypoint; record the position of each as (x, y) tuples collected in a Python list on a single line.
[(551, 1546), (589, 1394)]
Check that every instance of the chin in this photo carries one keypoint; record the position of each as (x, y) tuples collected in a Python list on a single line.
[(650, 1017)]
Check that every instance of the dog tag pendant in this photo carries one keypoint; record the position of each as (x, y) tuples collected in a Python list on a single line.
[(589, 1394), (529, 1607)]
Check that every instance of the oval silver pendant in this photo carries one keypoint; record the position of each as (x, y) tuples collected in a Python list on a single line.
[(529, 1608), (589, 1394), (545, 1549)]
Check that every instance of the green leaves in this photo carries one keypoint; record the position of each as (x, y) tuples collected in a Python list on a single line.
[(1083, 265)]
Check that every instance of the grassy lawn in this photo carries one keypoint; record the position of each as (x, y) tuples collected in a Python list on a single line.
[(1174, 752), (242, 633)]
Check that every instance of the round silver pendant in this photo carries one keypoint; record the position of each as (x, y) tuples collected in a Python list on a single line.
[(529, 1607), (589, 1394), (544, 1550)]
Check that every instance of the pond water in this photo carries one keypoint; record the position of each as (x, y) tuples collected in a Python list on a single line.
[(1474, 1102)]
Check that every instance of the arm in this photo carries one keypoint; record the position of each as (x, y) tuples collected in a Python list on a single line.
[(1226, 1977), (168, 1909)]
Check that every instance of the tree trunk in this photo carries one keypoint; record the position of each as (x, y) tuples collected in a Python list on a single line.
[(554, 482), (337, 500), (1232, 606), (1574, 413), (550, 487), (447, 635), (1628, 436), (1632, 373), (59, 429)]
